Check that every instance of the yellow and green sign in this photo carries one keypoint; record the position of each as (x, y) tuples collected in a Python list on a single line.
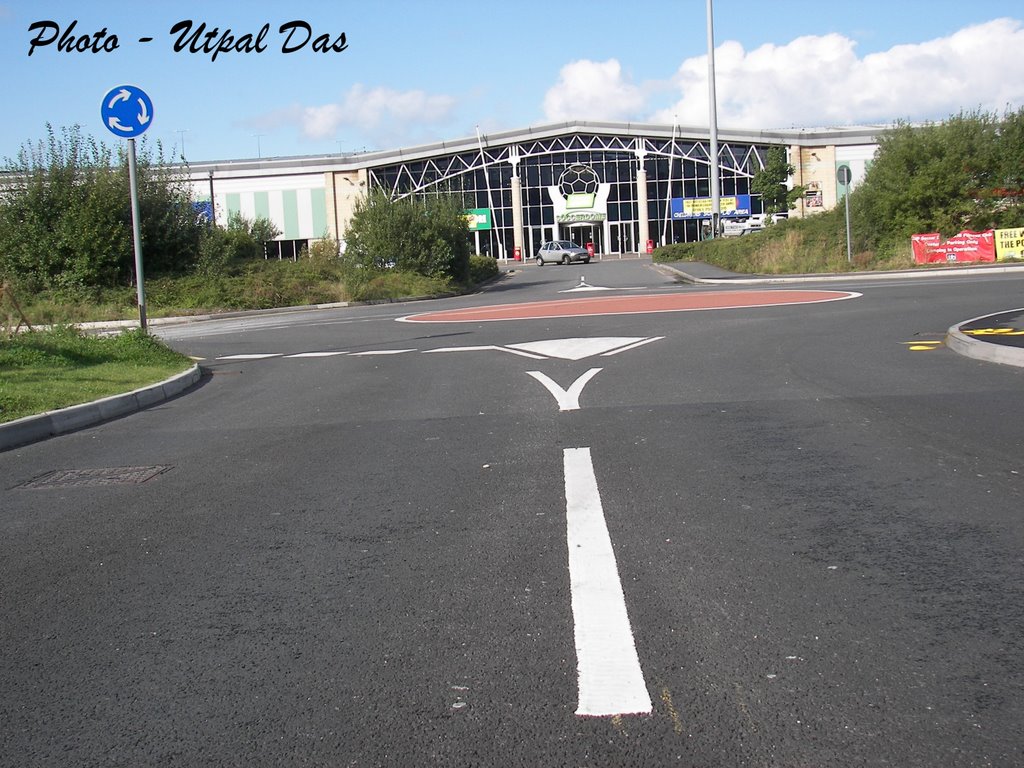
[(478, 218)]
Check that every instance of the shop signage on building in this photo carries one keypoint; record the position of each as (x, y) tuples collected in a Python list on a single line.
[(700, 207), (478, 219)]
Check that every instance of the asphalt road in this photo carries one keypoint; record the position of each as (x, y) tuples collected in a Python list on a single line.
[(364, 555)]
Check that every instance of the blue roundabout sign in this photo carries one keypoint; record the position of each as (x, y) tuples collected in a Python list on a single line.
[(127, 111)]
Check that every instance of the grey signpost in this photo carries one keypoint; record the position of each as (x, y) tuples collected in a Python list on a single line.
[(844, 176), (127, 112)]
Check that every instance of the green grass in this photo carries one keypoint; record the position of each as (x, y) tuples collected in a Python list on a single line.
[(261, 284), (45, 370)]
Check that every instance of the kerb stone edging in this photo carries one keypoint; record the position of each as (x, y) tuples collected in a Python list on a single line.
[(39, 427)]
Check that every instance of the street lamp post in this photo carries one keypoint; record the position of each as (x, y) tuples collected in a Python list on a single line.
[(716, 195)]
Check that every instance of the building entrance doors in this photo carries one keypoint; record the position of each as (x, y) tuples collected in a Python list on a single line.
[(590, 232)]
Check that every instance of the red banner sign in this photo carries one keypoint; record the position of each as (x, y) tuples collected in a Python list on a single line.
[(965, 247)]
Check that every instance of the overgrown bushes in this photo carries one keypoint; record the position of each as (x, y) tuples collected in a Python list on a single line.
[(964, 173), (65, 217), (424, 235)]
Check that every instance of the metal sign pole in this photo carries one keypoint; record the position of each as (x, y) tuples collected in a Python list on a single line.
[(844, 176), (127, 111), (136, 233), (849, 244)]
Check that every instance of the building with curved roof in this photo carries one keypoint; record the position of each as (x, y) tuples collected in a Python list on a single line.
[(621, 186)]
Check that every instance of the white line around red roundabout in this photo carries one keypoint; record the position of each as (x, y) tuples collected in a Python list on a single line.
[(630, 305)]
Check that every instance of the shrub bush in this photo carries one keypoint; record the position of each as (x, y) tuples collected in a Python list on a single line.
[(482, 268)]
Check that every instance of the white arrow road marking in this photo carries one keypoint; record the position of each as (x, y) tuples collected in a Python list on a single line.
[(577, 349), (567, 399), (583, 286), (611, 681)]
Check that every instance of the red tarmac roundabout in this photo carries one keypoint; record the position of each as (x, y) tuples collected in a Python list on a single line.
[(629, 305)]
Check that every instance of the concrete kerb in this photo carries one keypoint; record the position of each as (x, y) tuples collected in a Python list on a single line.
[(183, 319), (840, 277), (31, 429), (990, 352)]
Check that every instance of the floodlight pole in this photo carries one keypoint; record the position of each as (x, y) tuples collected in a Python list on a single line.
[(716, 195)]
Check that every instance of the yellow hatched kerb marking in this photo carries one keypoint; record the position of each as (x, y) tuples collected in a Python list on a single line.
[(923, 346), (995, 332)]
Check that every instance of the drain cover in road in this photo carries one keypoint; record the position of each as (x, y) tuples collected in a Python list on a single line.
[(83, 478)]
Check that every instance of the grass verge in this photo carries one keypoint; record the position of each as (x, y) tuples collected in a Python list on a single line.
[(45, 370), (816, 244), (260, 284)]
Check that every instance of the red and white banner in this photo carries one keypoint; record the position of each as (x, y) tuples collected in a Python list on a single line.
[(965, 247)]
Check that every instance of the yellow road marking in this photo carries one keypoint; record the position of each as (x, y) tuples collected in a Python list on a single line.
[(666, 698), (923, 346), (995, 332)]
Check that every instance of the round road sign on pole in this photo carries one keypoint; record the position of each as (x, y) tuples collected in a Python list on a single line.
[(127, 111)]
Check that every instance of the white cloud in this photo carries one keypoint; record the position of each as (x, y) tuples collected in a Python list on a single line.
[(816, 80), (592, 90), (372, 117), (375, 110)]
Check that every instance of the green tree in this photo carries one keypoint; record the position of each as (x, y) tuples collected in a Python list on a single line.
[(770, 183), (65, 216), (426, 235), (240, 241), (964, 173)]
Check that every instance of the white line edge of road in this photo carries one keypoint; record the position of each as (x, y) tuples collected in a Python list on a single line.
[(611, 681)]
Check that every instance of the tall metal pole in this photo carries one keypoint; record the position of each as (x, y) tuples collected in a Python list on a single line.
[(490, 198), (849, 239), (133, 187), (213, 204), (716, 195), (668, 195)]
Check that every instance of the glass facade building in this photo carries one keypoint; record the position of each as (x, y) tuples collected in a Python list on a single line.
[(620, 186), (667, 168)]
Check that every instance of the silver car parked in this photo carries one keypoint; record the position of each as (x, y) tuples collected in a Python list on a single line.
[(561, 252)]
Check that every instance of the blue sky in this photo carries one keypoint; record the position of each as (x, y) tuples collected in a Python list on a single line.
[(415, 72)]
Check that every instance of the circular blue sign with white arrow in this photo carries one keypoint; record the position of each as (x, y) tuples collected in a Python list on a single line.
[(127, 111)]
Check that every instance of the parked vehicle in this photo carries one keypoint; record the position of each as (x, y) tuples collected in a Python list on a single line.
[(561, 252)]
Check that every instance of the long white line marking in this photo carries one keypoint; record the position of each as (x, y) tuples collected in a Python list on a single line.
[(567, 399), (250, 357), (633, 346), (372, 352), (484, 348), (611, 681)]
